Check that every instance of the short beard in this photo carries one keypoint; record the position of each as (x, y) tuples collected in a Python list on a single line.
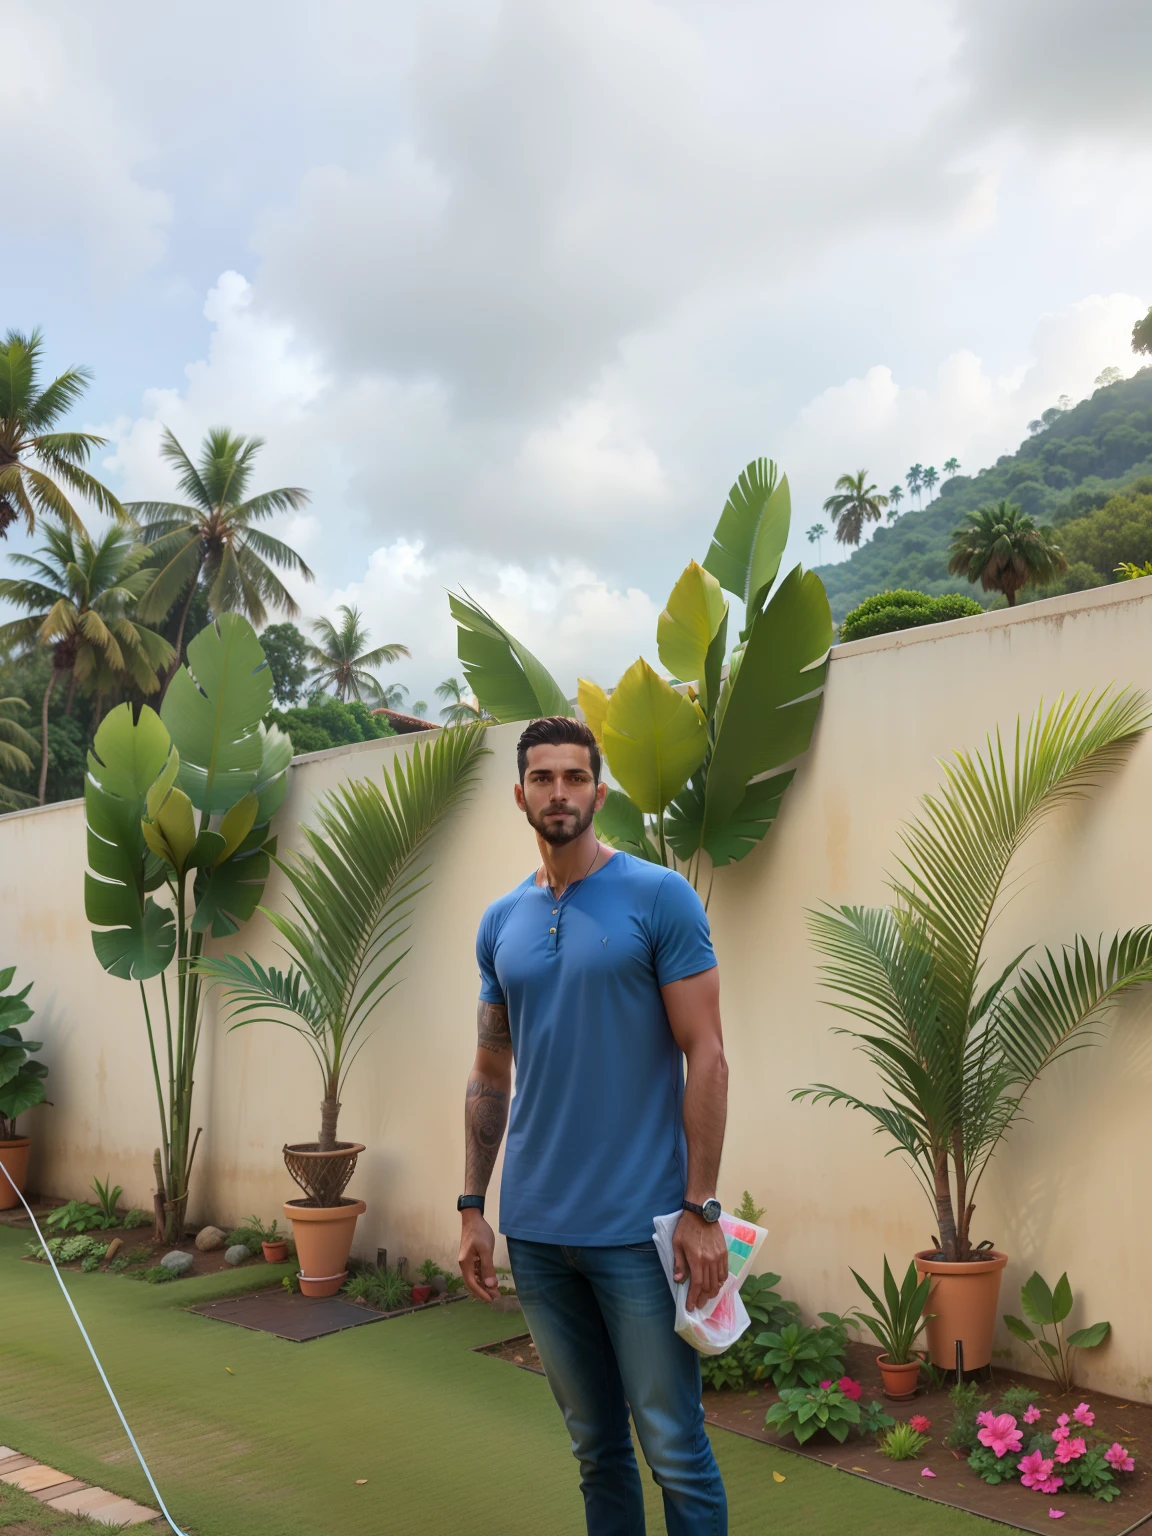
[(559, 836)]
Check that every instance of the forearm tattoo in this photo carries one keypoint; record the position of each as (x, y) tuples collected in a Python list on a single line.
[(485, 1116), (492, 1032)]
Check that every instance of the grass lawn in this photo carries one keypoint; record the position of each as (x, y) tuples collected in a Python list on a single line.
[(248, 1435)]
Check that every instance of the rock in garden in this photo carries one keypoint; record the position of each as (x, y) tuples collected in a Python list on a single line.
[(179, 1263), (208, 1239), (236, 1254)]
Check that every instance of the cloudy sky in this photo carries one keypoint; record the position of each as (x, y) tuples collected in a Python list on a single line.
[(515, 289)]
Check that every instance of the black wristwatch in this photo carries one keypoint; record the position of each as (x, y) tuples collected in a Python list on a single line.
[(709, 1211), (471, 1203)]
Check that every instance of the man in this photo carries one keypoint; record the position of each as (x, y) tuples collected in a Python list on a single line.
[(598, 978)]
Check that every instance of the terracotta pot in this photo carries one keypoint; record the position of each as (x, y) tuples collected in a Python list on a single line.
[(422, 1294), (277, 1252), (899, 1380), (962, 1304), (14, 1156), (323, 1236)]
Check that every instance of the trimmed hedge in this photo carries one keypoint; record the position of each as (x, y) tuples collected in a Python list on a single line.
[(902, 609)]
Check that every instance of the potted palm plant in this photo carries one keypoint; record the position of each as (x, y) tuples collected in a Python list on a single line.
[(352, 900), (21, 1086), (958, 1052), (897, 1322)]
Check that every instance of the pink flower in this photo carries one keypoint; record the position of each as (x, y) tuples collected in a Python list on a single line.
[(1001, 1435), (985, 1418), (1034, 1470), (919, 1423), (1050, 1485), (1084, 1415), (1063, 1419), (927, 1472), (850, 1388), (1061, 1432), (824, 1385), (1069, 1450), (1032, 1413), (1119, 1459), (1055, 1514)]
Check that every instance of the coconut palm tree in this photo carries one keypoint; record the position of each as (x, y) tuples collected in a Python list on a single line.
[(814, 536), (854, 505), (80, 602), (211, 540), (929, 479), (462, 707), (895, 497), (914, 481), (38, 467), (951, 467), (340, 660), (1003, 549), (16, 748), (393, 696)]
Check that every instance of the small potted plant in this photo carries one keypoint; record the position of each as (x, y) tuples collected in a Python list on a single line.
[(425, 1289), (897, 1322), (352, 901), (21, 1086), (275, 1247), (254, 1234)]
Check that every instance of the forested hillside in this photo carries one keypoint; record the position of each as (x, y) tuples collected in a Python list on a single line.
[(1065, 471)]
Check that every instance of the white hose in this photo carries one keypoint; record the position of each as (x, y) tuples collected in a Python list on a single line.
[(95, 1357)]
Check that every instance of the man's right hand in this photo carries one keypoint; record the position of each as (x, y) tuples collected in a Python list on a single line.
[(477, 1246)]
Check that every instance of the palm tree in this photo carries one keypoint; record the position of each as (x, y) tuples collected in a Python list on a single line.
[(341, 662), (815, 535), (463, 707), (929, 479), (80, 603), (1003, 549), (393, 696), (16, 747), (33, 459), (211, 540), (420, 708), (914, 481), (855, 505), (951, 467), (895, 497)]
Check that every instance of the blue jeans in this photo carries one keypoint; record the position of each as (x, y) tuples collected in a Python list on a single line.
[(602, 1320)]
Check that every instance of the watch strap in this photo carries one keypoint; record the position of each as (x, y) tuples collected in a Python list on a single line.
[(471, 1203), (701, 1210)]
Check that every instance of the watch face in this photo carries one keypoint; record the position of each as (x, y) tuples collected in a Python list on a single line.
[(712, 1210)]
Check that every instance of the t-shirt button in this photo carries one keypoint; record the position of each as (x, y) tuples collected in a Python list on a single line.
[(551, 930), (555, 910)]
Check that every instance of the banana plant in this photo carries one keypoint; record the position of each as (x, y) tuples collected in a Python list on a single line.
[(179, 806)]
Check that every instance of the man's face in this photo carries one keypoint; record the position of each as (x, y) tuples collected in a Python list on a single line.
[(559, 795)]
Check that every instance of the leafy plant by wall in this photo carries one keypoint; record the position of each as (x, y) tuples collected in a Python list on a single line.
[(887, 612)]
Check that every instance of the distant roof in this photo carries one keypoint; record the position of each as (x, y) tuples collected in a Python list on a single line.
[(404, 725)]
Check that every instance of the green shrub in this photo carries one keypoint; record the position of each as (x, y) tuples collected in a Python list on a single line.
[(902, 1442), (886, 612), (967, 1400), (156, 1275), (802, 1411), (386, 1289)]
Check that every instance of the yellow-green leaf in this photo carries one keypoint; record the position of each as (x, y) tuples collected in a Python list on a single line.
[(159, 791), (176, 826), (689, 623), (236, 824), (654, 737), (593, 702)]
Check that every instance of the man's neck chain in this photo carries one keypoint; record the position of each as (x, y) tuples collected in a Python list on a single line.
[(558, 893)]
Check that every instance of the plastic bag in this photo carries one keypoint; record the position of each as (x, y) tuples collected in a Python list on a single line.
[(714, 1327)]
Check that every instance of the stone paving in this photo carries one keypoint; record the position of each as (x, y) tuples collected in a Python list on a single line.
[(59, 1491)]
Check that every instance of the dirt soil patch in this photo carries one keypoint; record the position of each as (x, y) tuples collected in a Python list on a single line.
[(955, 1483)]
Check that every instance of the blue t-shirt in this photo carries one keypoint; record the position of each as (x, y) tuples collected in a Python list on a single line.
[(596, 1143)]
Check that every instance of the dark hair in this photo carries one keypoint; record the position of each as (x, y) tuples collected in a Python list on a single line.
[(556, 731)]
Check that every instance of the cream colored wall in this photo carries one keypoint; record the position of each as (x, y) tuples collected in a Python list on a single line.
[(1066, 1192)]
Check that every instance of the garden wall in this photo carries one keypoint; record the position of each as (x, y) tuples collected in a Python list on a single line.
[(1067, 1192)]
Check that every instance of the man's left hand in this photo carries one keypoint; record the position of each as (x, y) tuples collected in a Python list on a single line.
[(700, 1252)]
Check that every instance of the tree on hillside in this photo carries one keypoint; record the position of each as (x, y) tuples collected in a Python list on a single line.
[(81, 606), (1119, 532), (341, 660), (39, 467), (1003, 549), (1108, 376), (1035, 426), (914, 481), (951, 467), (895, 497), (210, 541), (853, 505), (814, 536), (929, 479), (286, 652), (1142, 334)]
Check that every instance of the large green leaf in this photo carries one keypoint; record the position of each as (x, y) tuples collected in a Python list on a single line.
[(138, 937), (22, 1091), (689, 623), (1037, 1300), (1088, 1338), (749, 541), (771, 707), (213, 711), (728, 841), (654, 737), (504, 675), (622, 824), (228, 894)]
